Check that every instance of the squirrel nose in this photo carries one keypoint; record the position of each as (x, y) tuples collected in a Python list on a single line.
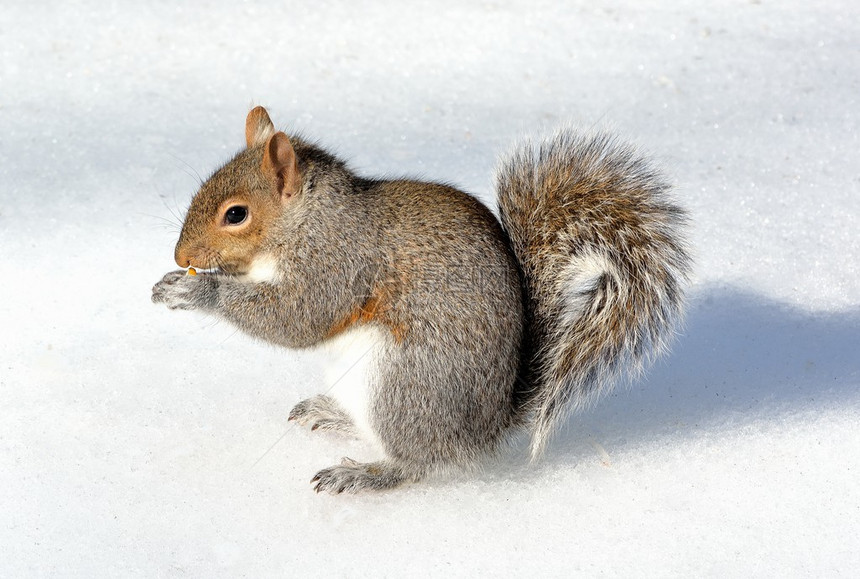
[(182, 258)]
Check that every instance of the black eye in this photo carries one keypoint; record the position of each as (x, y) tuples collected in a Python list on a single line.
[(236, 215)]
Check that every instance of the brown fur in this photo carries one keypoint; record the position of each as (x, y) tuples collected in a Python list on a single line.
[(374, 311)]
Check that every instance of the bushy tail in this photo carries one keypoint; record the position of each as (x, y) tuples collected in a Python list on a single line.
[(604, 262)]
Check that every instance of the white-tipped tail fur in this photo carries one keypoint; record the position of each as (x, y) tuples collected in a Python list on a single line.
[(604, 262)]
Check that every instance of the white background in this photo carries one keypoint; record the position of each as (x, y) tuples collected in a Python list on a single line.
[(135, 441)]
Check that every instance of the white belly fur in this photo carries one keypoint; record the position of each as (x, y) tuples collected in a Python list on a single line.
[(264, 268), (353, 358)]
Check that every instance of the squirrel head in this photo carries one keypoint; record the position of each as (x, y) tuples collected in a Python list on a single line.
[(232, 214)]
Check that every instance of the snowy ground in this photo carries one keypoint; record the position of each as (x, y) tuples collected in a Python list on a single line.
[(135, 441)]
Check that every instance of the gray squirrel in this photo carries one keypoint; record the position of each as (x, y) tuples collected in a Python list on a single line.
[(453, 328)]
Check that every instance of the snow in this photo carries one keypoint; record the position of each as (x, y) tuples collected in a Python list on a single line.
[(139, 442)]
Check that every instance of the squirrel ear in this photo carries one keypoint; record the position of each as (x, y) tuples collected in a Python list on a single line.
[(258, 127), (279, 161)]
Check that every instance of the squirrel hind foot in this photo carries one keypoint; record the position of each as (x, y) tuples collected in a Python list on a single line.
[(353, 477), (323, 413)]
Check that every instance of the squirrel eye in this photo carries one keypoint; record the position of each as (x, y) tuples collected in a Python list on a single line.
[(236, 215)]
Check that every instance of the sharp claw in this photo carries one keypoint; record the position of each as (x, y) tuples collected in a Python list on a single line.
[(315, 426)]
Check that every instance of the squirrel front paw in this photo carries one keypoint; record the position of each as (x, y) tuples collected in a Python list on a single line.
[(180, 291)]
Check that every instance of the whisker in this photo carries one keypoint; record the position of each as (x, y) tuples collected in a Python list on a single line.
[(174, 212), (168, 224), (191, 172)]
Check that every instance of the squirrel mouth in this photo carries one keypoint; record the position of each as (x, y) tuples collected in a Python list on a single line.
[(222, 270), (203, 270)]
